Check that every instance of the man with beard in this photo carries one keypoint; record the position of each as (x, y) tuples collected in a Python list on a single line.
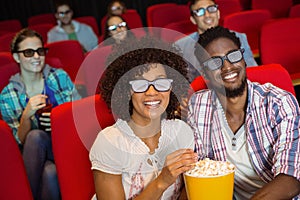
[(68, 29), (253, 126)]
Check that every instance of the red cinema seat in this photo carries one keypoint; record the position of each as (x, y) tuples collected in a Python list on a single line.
[(93, 67), (279, 43), (42, 29), (250, 23), (228, 7), (154, 12), (91, 21), (6, 71), (295, 11), (44, 18), (14, 183), (10, 25), (5, 41), (75, 126), (70, 54), (278, 8)]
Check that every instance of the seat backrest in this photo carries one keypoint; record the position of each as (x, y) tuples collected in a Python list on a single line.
[(91, 21), (164, 15), (93, 67), (278, 8), (133, 19), (70, 54), (6, 58), (155, 13), (176, 30), (272, 73), (250, 23), (11, 25), (42, 29), (5, 41), (13, 183), (228, 7), (75, 126), (279, 43), (295, 11), (45, 18), (6, 71)]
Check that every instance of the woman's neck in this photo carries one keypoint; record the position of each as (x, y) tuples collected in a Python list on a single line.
[(145, 130), (34, 84)]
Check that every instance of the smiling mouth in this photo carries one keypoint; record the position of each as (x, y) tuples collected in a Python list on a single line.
[(152, 103), (230, 76)]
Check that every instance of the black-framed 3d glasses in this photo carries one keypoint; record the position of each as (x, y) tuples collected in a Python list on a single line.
[(114, 8), (114, 27), (217, 62), (62, 14), (142, 85), (201, 11), (30, 52)]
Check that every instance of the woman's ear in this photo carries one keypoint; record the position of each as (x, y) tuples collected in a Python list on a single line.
[(16, 57)]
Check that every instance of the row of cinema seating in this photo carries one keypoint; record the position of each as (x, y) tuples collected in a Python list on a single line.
[(74, 128), (85, 70)]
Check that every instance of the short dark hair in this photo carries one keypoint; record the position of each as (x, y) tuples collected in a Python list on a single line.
[(59, 3), (115, 88), (210, 35), (22, 35)]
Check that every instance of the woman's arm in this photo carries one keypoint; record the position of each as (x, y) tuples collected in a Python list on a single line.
[(176, 163), (108, 186), (282, 187), (35, 103)]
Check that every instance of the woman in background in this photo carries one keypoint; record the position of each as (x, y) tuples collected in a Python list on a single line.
[(36, 86)]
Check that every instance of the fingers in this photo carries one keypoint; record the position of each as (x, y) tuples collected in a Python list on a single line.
[(181, 154), (181, 160)]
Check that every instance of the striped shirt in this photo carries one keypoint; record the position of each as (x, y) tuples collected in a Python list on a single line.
[(271, 124)]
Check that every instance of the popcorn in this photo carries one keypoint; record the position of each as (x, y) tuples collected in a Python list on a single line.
[(209, 167)]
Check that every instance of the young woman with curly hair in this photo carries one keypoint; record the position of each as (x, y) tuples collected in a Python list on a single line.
[(143, 155)]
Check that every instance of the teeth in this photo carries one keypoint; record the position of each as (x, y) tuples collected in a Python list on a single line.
[(229, 76), (151, 103)]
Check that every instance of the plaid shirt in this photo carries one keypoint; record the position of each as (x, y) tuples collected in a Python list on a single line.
[(13, 96), (271, 125)]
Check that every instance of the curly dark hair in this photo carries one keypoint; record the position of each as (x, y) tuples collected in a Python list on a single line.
[(133, 58), (210, 35)]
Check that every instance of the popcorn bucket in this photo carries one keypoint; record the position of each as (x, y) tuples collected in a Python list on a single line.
[(210, 187), (201, 186)]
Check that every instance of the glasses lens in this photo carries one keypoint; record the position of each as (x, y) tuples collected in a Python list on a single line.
[(139, 85), (122, 24), (163, 85), (41, 51), (112, 27), (28, 52), (214, 63), (212, 9), (62, 14), (235, 56), (116, 8), (200, 12)]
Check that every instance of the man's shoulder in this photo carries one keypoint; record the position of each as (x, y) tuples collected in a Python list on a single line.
[(191, 38)]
